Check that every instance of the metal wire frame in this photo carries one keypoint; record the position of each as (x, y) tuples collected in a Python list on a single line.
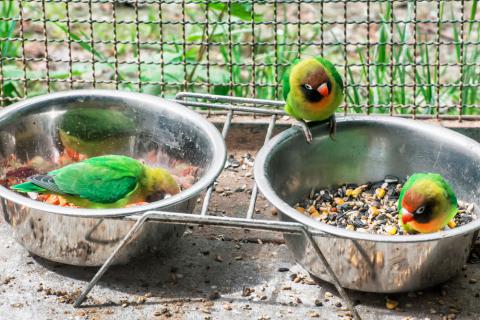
[(232, 105), (106, 44)]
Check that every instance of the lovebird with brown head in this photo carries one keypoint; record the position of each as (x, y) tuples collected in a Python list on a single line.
[(427, 203), (312, 89), (103, 182)]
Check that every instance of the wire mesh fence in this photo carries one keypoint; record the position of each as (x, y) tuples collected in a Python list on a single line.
[(408, 58)]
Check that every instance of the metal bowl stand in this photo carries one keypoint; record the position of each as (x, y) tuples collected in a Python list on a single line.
[(232, 105)]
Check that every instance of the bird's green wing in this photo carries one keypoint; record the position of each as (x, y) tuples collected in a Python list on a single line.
[(96, 124), (104, 179), (452, 210), (448, 188), (437, 179)]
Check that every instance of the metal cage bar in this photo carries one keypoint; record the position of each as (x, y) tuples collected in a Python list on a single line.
[(401, 59)]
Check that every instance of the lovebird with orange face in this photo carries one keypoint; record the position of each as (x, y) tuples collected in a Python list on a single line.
[(426, 203), (312, 89)]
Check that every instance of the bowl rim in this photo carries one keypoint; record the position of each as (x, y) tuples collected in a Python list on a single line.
[(213, 135), (265, 187)]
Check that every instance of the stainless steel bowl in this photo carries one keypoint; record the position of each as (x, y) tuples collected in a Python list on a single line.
[(87, 237), (367, 149)]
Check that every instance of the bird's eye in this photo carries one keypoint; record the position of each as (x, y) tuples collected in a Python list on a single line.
[(307, 86), (420, 210)]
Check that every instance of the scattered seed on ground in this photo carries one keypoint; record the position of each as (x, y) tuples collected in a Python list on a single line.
[(214, 295), (318, 303)]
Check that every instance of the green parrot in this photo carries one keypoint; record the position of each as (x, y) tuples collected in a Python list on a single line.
[(426, 204), (94, 131), (110, 181), (312, 89)]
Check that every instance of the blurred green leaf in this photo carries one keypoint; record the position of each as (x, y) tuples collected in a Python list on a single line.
[(10, 90), (81, 42), (239, 10), (7, 28), (473, 12)]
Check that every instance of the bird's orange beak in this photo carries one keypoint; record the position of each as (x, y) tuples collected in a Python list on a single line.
[(323, 89), (406, 216)]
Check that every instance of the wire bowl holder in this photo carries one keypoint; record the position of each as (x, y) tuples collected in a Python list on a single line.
[(232, 105)]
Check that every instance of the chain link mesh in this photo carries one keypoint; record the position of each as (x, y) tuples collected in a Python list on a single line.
[(408, 58)]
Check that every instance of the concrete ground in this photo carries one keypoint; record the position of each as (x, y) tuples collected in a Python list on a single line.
[(213, 273), (205, 277)]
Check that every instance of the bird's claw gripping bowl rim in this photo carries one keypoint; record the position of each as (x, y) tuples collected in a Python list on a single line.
[(267, 190), (214, 136)]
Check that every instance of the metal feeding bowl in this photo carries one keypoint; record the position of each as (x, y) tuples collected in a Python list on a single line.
[(368, 149), (164, 133)]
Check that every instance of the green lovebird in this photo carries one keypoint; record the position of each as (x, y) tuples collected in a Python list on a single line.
[(110, 181), (95, 131), (312, 89), (426, 204)]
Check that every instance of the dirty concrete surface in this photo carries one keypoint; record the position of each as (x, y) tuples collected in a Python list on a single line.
[(213, 273)]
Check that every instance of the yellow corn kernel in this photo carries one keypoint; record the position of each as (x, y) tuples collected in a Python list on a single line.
[(62, 201), (391, 304), (53, 199), (374, 211), (380, 193), (322, 217), (452, 224), (357, 192), (300, 209), (391, 230), (312, 210), (349, 192), (314, 214), (339, 201)]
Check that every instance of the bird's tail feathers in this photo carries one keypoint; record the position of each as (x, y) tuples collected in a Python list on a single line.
[(27, 187)]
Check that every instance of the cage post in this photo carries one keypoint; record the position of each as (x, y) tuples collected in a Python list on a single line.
[(92, 43), (462, 43), (414, 65), (69, 43), (437, 60), (45, 34), (345, 54), (115, 43)]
